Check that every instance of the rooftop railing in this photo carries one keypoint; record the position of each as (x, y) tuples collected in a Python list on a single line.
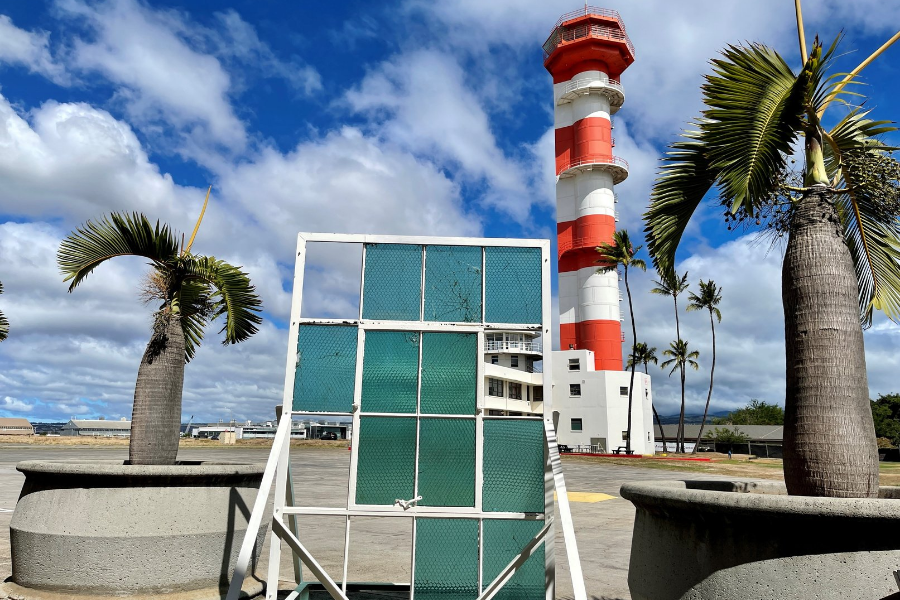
[(569, 34)]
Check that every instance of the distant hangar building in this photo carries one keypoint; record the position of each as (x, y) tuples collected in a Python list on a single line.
[(97, 428), (15, 426)]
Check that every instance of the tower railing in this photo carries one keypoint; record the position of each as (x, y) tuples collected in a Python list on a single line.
[(593, 30), (575, 84), (597, 159)]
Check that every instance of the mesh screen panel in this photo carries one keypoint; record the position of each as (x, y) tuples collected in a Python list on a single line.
[(390, 371), (387, 459), (453, 283), (326, 368), (512, 285), (503, 540), (448, 373), (447, 462), (513, 466), (393, 282), (446, 559)]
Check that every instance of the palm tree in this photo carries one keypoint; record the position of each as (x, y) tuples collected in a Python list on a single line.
[(192, 291), (680, 356), (621, 252), (644, 355), (4, 324), (671, 284), (840, 216), (709, 299)]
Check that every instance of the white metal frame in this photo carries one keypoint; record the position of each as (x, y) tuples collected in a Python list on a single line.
[(278, 469)]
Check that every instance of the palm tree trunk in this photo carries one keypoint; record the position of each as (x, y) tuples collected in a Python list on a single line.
[(633, 363), (656, 415), (679, 437), (156, 416), (829, 437), (712, 371)]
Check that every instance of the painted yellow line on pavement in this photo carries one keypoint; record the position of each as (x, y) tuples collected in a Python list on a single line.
[(589, 497)]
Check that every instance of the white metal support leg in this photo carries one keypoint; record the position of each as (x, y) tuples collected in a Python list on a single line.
[(565, 515), (259, 508), (315, 568), (281, 476)]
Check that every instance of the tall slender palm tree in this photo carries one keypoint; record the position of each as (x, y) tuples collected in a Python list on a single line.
[(680, 356), (4, 324), (709, 299), (621, 252), (191, 290), (843, 238), (671, 284), (644, 355)]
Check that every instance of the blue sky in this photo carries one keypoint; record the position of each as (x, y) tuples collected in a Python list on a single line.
[(389, 117)]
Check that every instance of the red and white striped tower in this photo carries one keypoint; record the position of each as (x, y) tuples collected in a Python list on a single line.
[(586, 53)]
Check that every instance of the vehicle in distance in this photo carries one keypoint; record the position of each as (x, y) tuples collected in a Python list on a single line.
[(328, 435)]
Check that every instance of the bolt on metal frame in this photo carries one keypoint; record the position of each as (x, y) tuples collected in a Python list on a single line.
[(277, 470)]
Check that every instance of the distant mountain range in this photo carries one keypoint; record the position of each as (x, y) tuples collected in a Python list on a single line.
[(692, 419)]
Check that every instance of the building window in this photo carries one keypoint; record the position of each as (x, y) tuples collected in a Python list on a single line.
[(623, 390), (576, 425), (495, 387), (514, 361), (495, 359), (574, 364), (515, 391), (625, 435), (538, 393), (574, 389)]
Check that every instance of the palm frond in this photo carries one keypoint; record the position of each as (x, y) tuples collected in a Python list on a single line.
[(685, 177), (869, 209), (873, 237), (619, 252), (117, 234), (195, 307), (755, 114), (233, 296)]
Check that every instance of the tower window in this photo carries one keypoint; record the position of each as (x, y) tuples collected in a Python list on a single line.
[(515, 391), (495, 359), (495, 387), (574, 364), (623, 390), (576, 425), (514, 361), (574, 389)]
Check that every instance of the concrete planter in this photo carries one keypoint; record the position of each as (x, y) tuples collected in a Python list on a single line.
[(701, 540), (104, 529)]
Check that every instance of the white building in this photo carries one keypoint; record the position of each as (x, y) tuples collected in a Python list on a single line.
[(590, 407)]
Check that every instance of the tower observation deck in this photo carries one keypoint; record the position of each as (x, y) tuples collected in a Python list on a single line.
[(586, 53)]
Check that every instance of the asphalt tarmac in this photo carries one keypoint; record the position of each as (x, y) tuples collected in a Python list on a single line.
[(379, 549)]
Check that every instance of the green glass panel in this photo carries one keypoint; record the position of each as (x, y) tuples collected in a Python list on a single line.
[(386, 461), (446, 559), (513, 286), (503, 540), (453, 284), (513, 466), (390, 371), (326, 368), (447, 462), (393, 282), (448, 373)]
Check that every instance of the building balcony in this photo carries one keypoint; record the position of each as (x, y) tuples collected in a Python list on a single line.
[(611, 89), (618, 167), (527, 346)]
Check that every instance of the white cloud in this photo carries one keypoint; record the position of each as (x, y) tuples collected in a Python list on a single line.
[(420, 101), (74, 161), (161, 77), (30, 49), (238, 39)]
